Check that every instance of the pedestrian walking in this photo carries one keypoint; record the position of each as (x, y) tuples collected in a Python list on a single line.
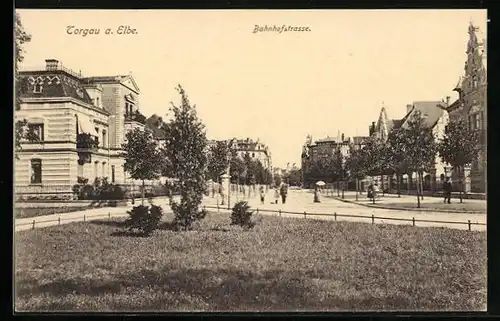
[(283, 192), (316, 195), (375, 191), (262, 194), (447, 190), (276, 195)]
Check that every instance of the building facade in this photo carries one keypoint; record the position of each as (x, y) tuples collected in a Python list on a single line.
[(435, 116), (471, 104), (325, 149), (80, 124)]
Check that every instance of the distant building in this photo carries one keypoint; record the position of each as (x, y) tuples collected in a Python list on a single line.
[(326, 148), (472, 102)]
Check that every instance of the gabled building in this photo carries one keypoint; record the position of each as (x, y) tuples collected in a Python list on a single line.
[(435, 116), (80, 123), (472, 102)]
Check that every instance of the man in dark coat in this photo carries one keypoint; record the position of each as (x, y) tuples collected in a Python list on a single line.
[(447, 190), (283, 192)]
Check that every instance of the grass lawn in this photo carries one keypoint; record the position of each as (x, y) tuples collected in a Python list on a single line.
[(32, 212), (282, 264)]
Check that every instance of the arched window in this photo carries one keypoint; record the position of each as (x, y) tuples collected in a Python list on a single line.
[(36, 171)]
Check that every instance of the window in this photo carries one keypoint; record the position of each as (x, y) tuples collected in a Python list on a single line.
[(104, 139), (478, 121), (80, 170), (97, 102), (112, 173), (37, 130), (96, 169), (103, 169), (38, 88), (253, 155), (36, 171), (97, 131)]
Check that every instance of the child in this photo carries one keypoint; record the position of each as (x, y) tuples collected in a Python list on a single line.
[(262, 195), (276, 195)]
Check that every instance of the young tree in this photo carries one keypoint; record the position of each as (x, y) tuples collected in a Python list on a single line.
[(420, 148), (459, 147), (355, 166), (373, 154), (394, 158), (185, 148), (294, 177), (338, 169), (217, 160), (142, 157)]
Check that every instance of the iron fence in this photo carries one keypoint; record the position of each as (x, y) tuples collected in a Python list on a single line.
[(336, 215), (279, 213)]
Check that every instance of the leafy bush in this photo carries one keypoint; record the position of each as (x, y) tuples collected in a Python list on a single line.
[(100, 190), (187, 211), (242, 216), (144, 219)]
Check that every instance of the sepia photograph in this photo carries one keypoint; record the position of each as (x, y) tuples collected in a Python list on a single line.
[(250, 160)]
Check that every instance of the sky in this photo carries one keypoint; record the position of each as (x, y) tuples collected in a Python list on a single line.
[(272, 86)]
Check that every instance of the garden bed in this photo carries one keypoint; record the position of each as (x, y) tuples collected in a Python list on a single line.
[(25, 210), (281, 264)]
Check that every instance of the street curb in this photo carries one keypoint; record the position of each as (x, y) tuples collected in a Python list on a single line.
[(405, 208)]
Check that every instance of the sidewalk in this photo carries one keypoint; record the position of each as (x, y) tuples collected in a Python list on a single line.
[(409, 202)]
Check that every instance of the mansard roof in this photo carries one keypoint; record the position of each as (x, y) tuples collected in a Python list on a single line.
[(55, 83)]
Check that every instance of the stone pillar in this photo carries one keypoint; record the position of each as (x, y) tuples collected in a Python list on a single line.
[(225, 189), (467, 179), (433, 180)]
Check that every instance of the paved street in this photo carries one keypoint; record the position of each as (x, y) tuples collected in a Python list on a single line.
[(297, 201)]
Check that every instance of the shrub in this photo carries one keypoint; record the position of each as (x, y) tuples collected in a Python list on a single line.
[(242, 216), (144, 219), (187, 211)]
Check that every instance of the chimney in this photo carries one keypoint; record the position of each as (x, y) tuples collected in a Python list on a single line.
[(51, 64), (342, 137), (408, 108), (447, 101)]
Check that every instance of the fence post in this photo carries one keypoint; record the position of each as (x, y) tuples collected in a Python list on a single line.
[(305, 215), (280, 213), (413, 220), (335, 215), (373, 219), (59, 220), (257, 211), (33, 224), (468, 222)]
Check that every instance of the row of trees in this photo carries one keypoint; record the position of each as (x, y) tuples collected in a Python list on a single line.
[(242, 170), (407, 150)]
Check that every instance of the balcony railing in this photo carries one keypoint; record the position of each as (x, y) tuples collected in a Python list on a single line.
[(85, 145)]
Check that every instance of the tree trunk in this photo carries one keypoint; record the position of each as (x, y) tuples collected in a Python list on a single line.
[(409, 182), (357, 182), (142, 193), (398, 177), (462, 177), (418, 193), (421, 185), (343, 187), (338, 189), (382, 184)]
